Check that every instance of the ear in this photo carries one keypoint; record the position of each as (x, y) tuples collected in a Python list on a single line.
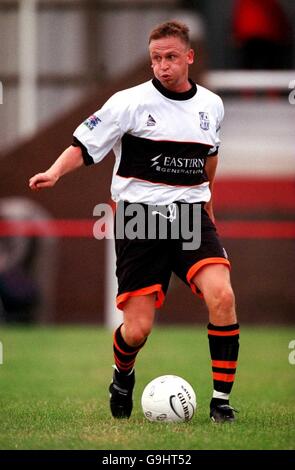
[(190, 56)]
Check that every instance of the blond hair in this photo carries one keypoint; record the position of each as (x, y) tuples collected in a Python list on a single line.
[(171, 28)]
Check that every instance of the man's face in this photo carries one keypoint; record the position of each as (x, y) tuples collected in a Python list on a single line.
[(170, 61)]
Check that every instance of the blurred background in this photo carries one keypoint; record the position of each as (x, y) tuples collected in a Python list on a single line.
[(60, 60)]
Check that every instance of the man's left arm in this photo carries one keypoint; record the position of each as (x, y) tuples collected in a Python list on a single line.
[(210, 168)]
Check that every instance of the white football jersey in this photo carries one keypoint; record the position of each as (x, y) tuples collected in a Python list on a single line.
[(161, 140)]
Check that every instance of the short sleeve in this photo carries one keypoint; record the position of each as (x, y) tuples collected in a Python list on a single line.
[(98, 134), (219, 118)]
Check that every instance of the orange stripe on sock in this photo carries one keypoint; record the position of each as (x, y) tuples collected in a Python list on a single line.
[(223, 377), (223, 333), (124, 352), (124, 366), (225, 364)]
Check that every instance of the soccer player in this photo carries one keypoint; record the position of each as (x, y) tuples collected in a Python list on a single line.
[(165, 136)]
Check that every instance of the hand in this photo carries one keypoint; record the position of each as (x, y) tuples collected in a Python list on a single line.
[(42, 180)]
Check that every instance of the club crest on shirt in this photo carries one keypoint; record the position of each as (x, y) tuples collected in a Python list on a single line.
[(92, 122), (204, 121)]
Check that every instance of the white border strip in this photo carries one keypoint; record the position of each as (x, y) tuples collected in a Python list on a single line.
[(248, 80)]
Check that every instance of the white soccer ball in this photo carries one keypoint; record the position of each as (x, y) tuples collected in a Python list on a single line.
[(168, 398)]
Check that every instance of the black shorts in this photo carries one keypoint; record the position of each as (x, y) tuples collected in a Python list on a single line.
[(145, 265)]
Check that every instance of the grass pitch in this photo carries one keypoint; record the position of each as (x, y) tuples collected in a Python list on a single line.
[(54, 381)]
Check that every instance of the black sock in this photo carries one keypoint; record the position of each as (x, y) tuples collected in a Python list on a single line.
[(124, 354), (224, 349)]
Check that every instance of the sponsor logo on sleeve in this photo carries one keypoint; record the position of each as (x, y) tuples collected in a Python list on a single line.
[(92, 122)]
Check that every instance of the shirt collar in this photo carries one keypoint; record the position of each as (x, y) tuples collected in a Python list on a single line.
[(173, 95)]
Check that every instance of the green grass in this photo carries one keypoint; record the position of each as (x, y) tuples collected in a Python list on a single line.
[(53, 390)]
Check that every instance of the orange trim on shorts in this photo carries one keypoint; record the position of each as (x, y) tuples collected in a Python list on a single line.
[(223, 333), (223, 377), (157, 288), (201, 264), (225, 364)]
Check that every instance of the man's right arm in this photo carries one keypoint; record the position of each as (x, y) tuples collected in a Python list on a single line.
[(69, 160)]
